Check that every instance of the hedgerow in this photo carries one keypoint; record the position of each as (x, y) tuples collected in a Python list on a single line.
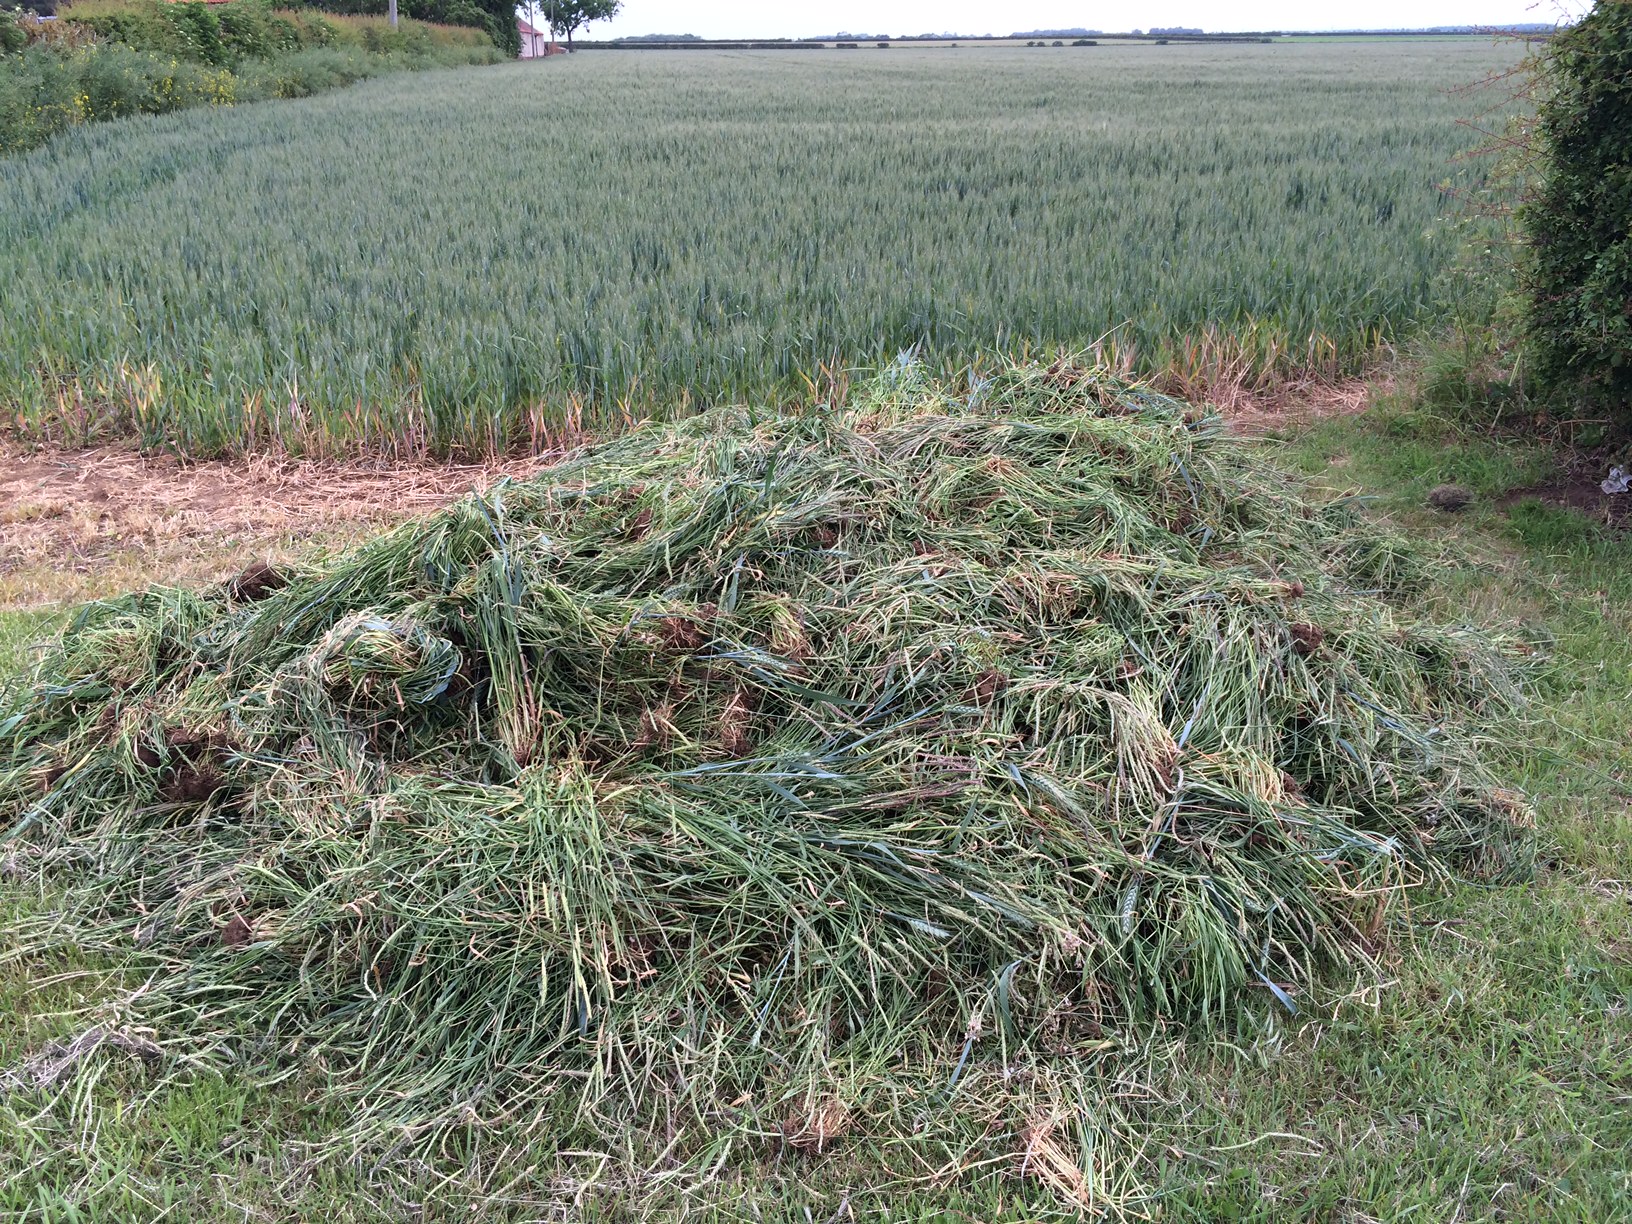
[(1579, 223), (150, 57)]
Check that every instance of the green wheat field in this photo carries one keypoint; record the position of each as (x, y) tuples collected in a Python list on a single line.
[(463, 263)]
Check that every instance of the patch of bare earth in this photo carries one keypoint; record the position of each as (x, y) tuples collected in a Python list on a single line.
[(81, 524), (1579, 487), (77, 525)]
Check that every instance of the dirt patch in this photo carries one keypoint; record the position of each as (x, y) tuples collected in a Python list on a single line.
[(258, 580), (77, 524), (1579, 488)]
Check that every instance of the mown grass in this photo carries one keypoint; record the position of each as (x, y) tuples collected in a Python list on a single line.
[(23, 635), (1485, 1073), (517, 251), (1492, 1078)]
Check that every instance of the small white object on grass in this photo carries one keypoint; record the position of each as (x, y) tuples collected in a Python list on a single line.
[(1618, 481)]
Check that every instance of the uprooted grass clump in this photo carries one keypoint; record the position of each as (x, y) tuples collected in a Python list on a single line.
[(735, 772)]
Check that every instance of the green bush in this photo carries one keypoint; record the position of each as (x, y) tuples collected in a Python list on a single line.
[(316, 69), (221, 35), (496, 17), (118, 81), (12, 38), (199, 31), (155, 58), (144, 27), (302, 74), (37, 98), (252, 31), (43, 91), (1579, 225), (228, 35), (311, 30)]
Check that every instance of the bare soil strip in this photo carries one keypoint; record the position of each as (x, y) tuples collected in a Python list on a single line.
[(79, 524)]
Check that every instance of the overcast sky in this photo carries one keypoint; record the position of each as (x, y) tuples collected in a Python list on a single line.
[(797, 18)]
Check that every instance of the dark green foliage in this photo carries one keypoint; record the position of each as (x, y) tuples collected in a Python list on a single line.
[(765, 758), (228, 35), (43, 91), (12, 38), (199, 31), (157, 26), (120, 81), (314, 70), (497, 18), (153, 57), (252, 31), (1580, 224)]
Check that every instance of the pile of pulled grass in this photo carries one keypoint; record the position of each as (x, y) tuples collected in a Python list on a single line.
[(734, 770)]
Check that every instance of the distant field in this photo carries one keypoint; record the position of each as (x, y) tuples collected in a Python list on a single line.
[(467, 260)]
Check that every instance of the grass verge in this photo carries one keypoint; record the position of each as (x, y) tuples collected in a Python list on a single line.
[(1489, 1075)]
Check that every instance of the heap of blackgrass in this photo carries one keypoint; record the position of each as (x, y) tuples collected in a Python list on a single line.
[(736, 771)]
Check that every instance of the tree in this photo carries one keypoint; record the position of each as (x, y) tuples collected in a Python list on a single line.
[(1578, 225), (565, 16)]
